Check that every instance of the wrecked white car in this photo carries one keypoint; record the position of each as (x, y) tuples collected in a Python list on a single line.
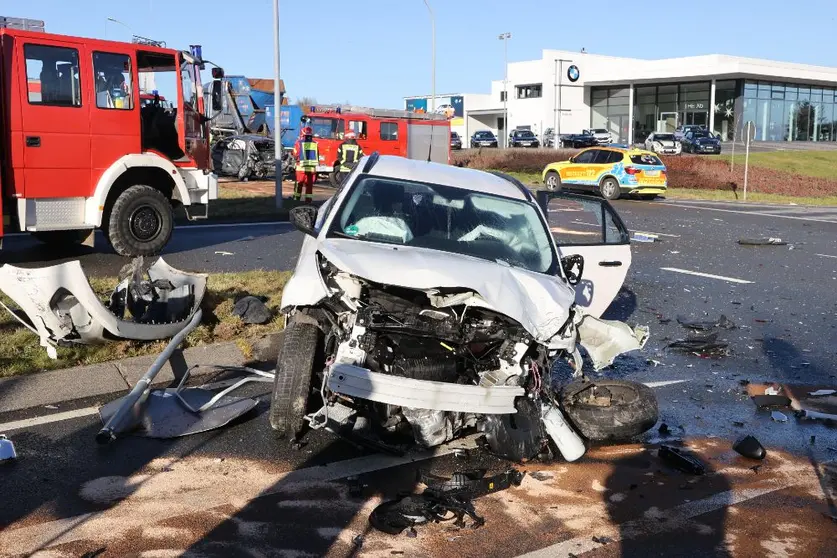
[(430, 300)]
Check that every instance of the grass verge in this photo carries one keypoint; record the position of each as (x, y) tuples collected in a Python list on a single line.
[(20, 352), (820, 164)]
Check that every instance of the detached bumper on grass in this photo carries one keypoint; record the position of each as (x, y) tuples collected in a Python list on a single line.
[(152, 302)]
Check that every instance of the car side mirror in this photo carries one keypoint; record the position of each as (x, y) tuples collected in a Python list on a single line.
[(217, 104), (572, 159), (303, 218), (573, 267)]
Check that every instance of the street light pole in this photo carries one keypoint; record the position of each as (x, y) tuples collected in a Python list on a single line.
[(122, 24), (558, 112), (433, 73), (277, 110), (505, 37)]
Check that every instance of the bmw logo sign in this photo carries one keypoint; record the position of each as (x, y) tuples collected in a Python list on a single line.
[(573, 74)]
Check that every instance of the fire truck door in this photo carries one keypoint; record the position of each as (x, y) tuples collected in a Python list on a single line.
[(392, 138), (55, 114), (115, 115)]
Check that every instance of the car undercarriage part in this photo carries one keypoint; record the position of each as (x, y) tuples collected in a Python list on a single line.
[(681, 461), (173, 412), (443, 500), (63, 308)]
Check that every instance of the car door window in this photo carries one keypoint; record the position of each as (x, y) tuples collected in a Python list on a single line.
[(584, 221), (586, 157), (605, 157)]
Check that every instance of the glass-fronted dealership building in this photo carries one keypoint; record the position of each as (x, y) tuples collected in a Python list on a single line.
[(571, 91)]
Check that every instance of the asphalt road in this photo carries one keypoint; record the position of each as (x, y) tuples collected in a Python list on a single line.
[(231, 492)]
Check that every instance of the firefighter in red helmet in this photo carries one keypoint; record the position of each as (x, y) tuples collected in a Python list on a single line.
[(307, 157)]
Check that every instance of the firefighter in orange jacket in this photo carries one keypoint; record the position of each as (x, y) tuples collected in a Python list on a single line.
[(307, 157)]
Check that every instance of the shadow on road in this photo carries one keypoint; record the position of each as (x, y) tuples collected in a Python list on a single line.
[(622, 307)]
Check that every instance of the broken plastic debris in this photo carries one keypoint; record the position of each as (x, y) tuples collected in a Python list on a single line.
[(749, 446), (779, 417), (771, 391), (7, 449), (822, 392), (805, 413), (678, 459), (638, 237), (762, 241), (252, 310), (704, 343), (764, 401), (722, 322)]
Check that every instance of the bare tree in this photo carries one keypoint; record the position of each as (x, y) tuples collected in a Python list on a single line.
[(305, 103)]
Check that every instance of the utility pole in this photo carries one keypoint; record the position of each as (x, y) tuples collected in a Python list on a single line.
[(505, 38), (558, 111), (277, 109), (433, 56)]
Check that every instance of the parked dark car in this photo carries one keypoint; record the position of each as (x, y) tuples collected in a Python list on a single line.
[(455, 141), (585, 139), (483, 138), (523, 138), (701, 141)]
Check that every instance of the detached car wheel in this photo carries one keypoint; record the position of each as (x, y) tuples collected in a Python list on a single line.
[(610, 410), (140, 222), (610, 189), (292, 385), (553, 181)]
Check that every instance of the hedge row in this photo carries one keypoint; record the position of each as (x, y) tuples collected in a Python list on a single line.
[(684, 171)]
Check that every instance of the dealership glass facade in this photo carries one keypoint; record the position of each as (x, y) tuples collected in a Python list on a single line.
[(779, 111)]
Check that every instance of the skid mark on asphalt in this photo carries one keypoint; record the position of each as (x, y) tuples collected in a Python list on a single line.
[(612, 492), (707, 275)]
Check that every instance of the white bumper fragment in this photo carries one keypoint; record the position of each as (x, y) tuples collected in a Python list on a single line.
[(605, 339), (355, 381)]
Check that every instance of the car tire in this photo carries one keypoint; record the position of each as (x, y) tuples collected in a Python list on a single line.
[(334, 179), (631, 411), (553, 181), (62, 239), (298, 357), (610, 189), (140, 222)]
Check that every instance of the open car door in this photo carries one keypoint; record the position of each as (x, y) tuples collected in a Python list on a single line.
[(589, 227)]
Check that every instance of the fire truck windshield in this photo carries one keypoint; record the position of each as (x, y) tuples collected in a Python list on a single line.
[(327, 128)]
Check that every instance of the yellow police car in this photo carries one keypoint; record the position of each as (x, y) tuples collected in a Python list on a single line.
[(614, 171)]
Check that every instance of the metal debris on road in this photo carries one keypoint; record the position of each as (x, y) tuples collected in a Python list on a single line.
[(816, 415), (761, 241), (772, 390), (252, 310), (678, 459), (822, 392), (767, 401), (706, 343), (778, 417), (750, 447), (639, 237), (443, 499), (7, 449)]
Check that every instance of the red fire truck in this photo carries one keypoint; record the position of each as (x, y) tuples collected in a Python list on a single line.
[(80, 148), (389, 132)]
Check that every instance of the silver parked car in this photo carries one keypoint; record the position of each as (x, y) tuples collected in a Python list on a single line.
[(663, 143), (602, 135)]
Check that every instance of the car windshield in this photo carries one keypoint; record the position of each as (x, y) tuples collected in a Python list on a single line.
[(526, 134), (455, 220), (700, 134), (663, 137), (327, 128), (599, 131), (484, 135)]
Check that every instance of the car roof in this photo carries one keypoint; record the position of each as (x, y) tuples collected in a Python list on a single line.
[(628, 151), (391, 166)]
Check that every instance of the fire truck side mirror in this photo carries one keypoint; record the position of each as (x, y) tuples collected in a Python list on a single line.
[(217, 72), (217, 89)]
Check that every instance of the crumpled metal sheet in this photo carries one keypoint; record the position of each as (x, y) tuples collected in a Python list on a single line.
[(604, 340), (62, 306)]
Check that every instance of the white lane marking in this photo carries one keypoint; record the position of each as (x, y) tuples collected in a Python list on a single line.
[(825, 256), (47, 419), (709, 275), (26, 540), (664, 383), (207, 226), (756, 213), (674, 517)]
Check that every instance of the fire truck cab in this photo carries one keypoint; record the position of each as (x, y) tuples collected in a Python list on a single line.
[(83, 149), (389, 132)]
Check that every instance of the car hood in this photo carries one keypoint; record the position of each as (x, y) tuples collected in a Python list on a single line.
[(540, 303), (666, 143)]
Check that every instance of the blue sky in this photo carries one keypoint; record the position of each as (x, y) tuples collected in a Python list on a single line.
[(374, 52)]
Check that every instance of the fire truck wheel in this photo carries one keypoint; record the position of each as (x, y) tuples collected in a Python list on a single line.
[(334, 179), (140, 222), (62, 238)]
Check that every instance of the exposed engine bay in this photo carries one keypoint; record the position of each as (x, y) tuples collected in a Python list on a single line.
[(436, 363)]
